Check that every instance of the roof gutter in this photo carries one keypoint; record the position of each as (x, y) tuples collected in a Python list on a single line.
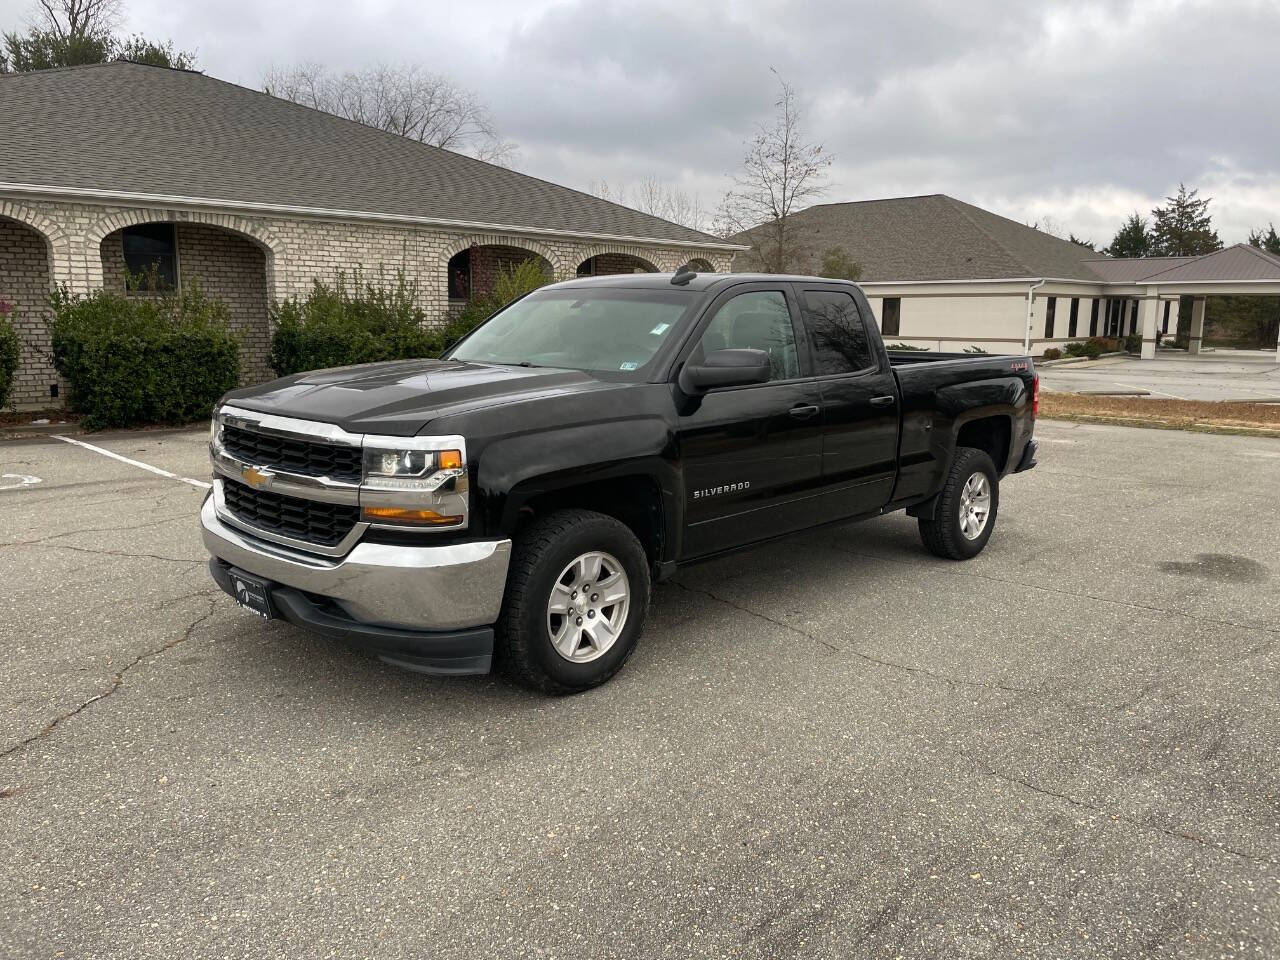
[(169, 200), (1031, 296)]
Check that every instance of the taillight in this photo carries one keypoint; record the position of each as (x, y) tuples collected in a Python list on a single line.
[(1035, 396)]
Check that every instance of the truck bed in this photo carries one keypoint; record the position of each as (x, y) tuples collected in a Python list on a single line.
[(939, 391)]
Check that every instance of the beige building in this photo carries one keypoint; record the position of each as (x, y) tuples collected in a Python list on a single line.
[(947, 276), (122, 167)]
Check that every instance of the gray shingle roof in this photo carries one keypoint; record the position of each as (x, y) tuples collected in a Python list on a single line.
[(934, 237), (937, 237), (125, 127)]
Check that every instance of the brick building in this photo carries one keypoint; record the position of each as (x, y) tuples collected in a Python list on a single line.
[(121, 166)]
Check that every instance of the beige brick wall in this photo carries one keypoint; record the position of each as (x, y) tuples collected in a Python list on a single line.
[(295, 251), (24, 283)]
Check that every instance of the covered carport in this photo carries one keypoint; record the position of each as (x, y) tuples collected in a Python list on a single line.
[(1241, 270)]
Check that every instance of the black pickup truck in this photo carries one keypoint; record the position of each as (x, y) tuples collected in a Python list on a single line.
[(512, 503)]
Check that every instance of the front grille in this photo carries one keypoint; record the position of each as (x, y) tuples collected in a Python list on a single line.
[(306, 457), (324, 524)]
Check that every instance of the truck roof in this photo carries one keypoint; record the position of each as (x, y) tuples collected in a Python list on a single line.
[(699, 281)]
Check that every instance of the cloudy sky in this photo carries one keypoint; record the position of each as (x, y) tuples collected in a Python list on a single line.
[(1080, 112)]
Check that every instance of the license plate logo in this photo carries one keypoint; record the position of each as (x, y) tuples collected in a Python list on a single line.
[(251, 595)]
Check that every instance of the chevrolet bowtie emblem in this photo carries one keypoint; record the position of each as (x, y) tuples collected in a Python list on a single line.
[(256, 478)]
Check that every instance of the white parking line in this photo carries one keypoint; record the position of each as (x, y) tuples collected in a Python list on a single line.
[(15, 481), (133, 463)]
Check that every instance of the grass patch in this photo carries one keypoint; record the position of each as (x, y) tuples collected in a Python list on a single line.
[(1202, 416)]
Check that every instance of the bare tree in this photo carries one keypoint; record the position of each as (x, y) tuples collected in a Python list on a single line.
[(659, 199), (406, 99), (781, 172), (70, 20)]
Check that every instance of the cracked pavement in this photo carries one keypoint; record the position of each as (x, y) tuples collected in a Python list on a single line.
[(831, 746)]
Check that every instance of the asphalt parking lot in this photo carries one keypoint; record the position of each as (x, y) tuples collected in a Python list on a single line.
[(1249, 375), (835, 746)]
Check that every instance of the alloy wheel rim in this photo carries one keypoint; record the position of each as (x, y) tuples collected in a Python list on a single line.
[(975, 505), (588, 607)]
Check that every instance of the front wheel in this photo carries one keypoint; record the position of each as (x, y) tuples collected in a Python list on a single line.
[(577, 593), (965, 513)]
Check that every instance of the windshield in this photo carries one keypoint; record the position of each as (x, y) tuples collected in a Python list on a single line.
[(615, 331)]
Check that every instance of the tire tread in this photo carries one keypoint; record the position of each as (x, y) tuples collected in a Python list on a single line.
[(515, 655), (941, 533)]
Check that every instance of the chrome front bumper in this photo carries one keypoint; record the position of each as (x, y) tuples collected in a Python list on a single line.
[(417, 588)]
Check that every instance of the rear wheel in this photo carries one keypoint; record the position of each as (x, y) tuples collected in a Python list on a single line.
[(577, 593), (965, 513)]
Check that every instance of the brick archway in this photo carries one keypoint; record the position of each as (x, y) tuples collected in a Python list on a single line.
[(469, 265), (613, 258), (55, 238), (269, 243), (232, 258)]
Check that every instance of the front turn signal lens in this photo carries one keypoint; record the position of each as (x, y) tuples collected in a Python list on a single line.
[(417, 518), (450, 460)]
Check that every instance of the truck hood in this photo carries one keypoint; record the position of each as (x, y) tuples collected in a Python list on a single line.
[(400, 397)]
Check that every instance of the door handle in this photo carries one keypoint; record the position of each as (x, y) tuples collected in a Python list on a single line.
[(803, 412), (882, 401)]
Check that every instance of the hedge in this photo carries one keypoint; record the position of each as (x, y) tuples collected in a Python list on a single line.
[(360, 321), (9, 351), (132, 359)]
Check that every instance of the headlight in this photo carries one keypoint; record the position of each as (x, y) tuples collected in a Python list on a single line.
[(215, 428), (414, 486)]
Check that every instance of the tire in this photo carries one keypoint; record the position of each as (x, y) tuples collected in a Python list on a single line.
[(947, 534), (557, 549)]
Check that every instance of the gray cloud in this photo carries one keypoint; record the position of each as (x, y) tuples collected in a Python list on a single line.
[(1078, 111)]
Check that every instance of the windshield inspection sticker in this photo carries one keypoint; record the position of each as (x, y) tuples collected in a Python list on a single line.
[(629, 365), (660, 329)]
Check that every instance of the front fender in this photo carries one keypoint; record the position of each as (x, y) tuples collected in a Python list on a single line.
[(513, 470)]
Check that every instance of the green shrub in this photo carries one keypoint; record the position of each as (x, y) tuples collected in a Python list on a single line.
[(1133, 343), (1052, 353), (138, 360), (348, 322), (905, 346), (359, 321), (9, 350), (1092, 348), (976, 351), (1102, 345)]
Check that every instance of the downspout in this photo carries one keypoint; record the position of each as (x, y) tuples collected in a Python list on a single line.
[(1031, 294)]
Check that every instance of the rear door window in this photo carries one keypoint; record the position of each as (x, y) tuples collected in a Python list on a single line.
[(837, 332)]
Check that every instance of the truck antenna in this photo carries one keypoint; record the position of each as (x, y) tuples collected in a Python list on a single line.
[(683, 276)]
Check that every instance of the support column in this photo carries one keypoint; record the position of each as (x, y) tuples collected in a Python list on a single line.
[(1197, 325), (1148, 323)]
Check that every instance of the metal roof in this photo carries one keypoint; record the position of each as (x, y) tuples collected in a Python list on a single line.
[(1239, 262), (1133, 269), (124, 128)]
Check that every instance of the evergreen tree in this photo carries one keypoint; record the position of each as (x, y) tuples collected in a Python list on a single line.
[(1132, 240), (1268, 241), (838, 265), (1084, 243), (1183, 227), (71, 33)]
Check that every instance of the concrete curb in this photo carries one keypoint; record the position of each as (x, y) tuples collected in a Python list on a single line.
[(1068, 360)]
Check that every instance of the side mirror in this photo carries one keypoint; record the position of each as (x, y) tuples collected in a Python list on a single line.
[(725, 368)]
